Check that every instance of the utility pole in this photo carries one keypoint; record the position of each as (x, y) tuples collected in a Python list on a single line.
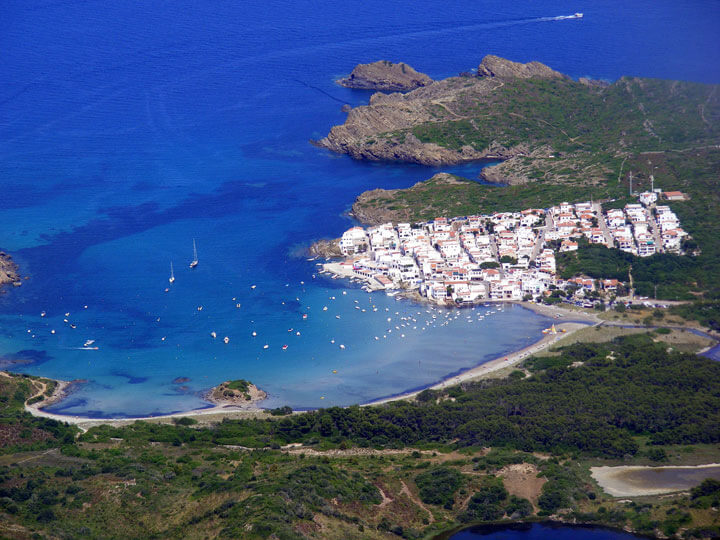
[(652, 183), (631, 183)]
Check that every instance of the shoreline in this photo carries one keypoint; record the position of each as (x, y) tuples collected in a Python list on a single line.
[(253, 410), (565, 319), (486, 368)]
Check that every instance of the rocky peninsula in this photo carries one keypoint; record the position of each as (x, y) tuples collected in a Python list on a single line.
[(384, 129), (385, 76), (543, 125)]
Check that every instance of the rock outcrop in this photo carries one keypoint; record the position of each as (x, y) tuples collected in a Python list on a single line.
[(240, 393), (386, 77), (329, 249), (8, 270), (494, 66)]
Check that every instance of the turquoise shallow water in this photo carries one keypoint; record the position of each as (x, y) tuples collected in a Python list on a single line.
[(128, 130)]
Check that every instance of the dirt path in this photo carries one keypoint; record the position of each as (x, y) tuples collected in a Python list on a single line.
[(406, 491), (350, 452), (385, 499), (43, 388)]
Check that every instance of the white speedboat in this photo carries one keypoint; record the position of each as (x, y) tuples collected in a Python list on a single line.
[(171, 279), (195, 261), (578, 15)]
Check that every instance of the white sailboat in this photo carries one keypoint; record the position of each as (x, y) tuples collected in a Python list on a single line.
[(171, 279), (194, 262)]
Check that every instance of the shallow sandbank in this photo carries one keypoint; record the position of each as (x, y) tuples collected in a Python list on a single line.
[(638, 481)]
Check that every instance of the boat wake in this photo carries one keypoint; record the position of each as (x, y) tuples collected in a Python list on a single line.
[(564, 17)]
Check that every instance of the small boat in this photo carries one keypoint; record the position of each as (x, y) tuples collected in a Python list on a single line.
[(213, 334), (297, 333), (284, 347), (226, 339), (304, 316), (578, 15), (171, 279), (253, 286), (89, 342), (199, 308), (237, 305), (342, 346), (195, 261), (42, 314), (266, 346)]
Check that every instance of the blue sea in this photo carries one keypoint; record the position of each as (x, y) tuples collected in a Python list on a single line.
[(128, 129)]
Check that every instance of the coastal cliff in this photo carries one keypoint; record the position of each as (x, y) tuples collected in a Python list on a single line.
[(385, 76), (9, 272)]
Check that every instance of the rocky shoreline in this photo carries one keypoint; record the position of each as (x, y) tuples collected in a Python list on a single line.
[(326, 248), (9, 271)]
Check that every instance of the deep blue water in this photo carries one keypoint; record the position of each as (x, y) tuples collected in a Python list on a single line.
[(541, 531), (128, 129)]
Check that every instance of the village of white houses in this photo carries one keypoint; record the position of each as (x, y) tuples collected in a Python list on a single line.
[(505, 256)]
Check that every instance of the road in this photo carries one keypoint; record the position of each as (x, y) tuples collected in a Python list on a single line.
[(655, 230), (597, 208)]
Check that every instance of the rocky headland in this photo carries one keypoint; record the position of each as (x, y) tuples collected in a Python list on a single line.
[(9, 272), (379, 206), (383, 130), (542, 124), (385, 76)]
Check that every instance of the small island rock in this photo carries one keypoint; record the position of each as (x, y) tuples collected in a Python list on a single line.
[(385, 76)]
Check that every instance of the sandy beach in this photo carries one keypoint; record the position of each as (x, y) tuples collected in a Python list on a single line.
[(503, 362), (249, 410), (211, 414)]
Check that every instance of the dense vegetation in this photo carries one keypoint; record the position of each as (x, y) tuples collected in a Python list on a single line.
[(644, 114), (183, 480)]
